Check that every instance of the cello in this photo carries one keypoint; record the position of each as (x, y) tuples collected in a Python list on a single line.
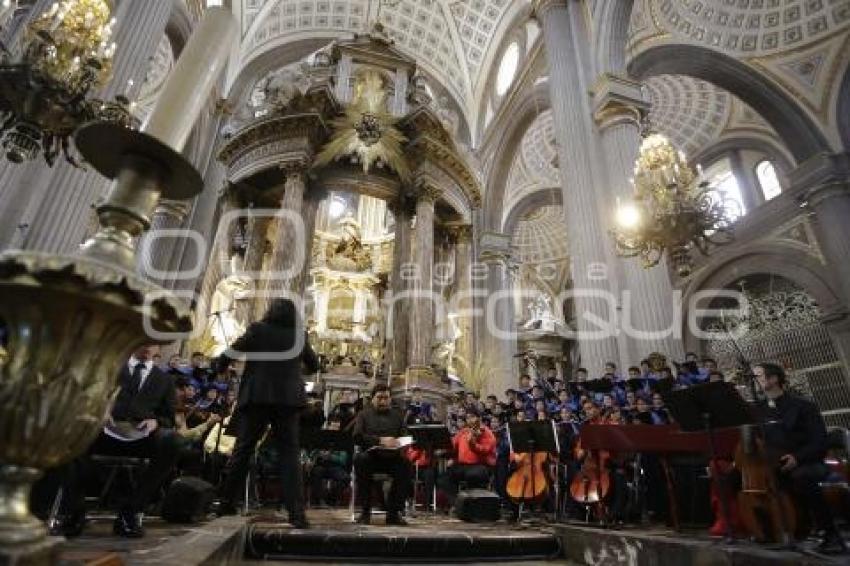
[(767, 511), (529, 482)]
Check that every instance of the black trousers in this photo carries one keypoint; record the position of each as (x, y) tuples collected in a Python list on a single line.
[(367, 464), (805, 481), (252, 423), (161, 448)]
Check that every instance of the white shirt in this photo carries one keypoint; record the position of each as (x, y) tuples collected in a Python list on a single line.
[(146, 370)]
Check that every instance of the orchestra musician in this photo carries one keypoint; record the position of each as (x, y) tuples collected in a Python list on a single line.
[(377, 430), (796, 429), (417, 408), (475, 457)]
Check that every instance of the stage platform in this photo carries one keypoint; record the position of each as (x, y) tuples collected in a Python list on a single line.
[(333, 539)]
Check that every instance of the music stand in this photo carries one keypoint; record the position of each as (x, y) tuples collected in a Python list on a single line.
[(703, 408), (431, 437), (326, 439), (530, 437)]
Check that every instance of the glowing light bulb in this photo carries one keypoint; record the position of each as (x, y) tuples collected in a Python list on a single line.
[(628, 216)]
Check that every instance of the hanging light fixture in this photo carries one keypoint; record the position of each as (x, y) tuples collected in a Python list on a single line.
[(674, 210), (44, 91)]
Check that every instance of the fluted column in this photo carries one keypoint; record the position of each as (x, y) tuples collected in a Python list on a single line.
[(310, 210), (650, 319), (288, 243), (400, 304), (564, 36), (499, 334), (463, 293), (747, 182), (63, 199), (422, 307), (256, 234)]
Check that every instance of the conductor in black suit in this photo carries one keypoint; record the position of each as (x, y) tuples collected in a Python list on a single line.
[(145, 402), (272, 393)]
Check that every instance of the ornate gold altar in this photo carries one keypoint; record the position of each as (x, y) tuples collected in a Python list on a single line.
[(355, 118)]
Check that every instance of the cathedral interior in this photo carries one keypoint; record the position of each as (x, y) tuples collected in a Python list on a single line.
[(453, 192)]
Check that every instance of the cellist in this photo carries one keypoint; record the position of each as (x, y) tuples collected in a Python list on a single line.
[(795, 429), (475, 457)]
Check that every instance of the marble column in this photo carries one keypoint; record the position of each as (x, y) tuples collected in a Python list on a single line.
[(564, 38), (400, 303), (288, 243), (61, 203), (499, 335), (256, 235), (823, 183), (747, 182), (310, 210), (463, 293), (650, 318), (422, 285)]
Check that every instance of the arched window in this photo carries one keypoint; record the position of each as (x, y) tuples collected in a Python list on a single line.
[(768, 181), (719, 174), (507, 68)]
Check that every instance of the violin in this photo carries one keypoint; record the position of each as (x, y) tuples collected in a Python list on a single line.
[(767, 511)]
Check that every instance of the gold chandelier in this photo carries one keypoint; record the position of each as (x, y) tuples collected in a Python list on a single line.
[(44, 91), (673, 211)]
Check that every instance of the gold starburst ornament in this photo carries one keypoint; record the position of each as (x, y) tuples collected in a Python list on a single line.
[(367, 133)]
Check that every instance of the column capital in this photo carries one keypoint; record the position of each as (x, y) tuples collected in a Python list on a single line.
[(821, 177), (495, 248), (462, 233), (618, 100), (428, 193), (539, 8)]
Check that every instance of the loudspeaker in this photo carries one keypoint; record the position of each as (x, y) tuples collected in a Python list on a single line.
[(187, 500), (478, 505)]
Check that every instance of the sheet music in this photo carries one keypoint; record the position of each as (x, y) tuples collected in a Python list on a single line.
[(402, 442)]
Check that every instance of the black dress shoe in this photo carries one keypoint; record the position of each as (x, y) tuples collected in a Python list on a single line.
[(365, 518), (396, 519), (128, 524), (832, 544), (68, 526)]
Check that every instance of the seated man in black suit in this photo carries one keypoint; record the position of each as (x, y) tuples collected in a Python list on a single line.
[(376, 431), (144, 405)]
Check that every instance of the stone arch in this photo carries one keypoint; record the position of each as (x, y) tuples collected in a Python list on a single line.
[(612, 36), (796, 129), (532, 105), (540, 197), (767, 258)]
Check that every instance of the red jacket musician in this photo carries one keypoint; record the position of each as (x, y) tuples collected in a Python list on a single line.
[(475, 457)]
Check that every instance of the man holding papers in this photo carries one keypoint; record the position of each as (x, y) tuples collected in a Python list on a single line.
[(379, 431)]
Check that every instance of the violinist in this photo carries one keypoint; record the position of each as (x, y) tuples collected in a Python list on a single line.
[(796, 430), (475, 451)]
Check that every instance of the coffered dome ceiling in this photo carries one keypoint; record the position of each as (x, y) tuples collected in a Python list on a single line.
[(541, 237), (449, 39)]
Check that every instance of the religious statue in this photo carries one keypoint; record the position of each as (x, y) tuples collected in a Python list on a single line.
[(224, 325), (540, 315), (446, 334), (349, 254)]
